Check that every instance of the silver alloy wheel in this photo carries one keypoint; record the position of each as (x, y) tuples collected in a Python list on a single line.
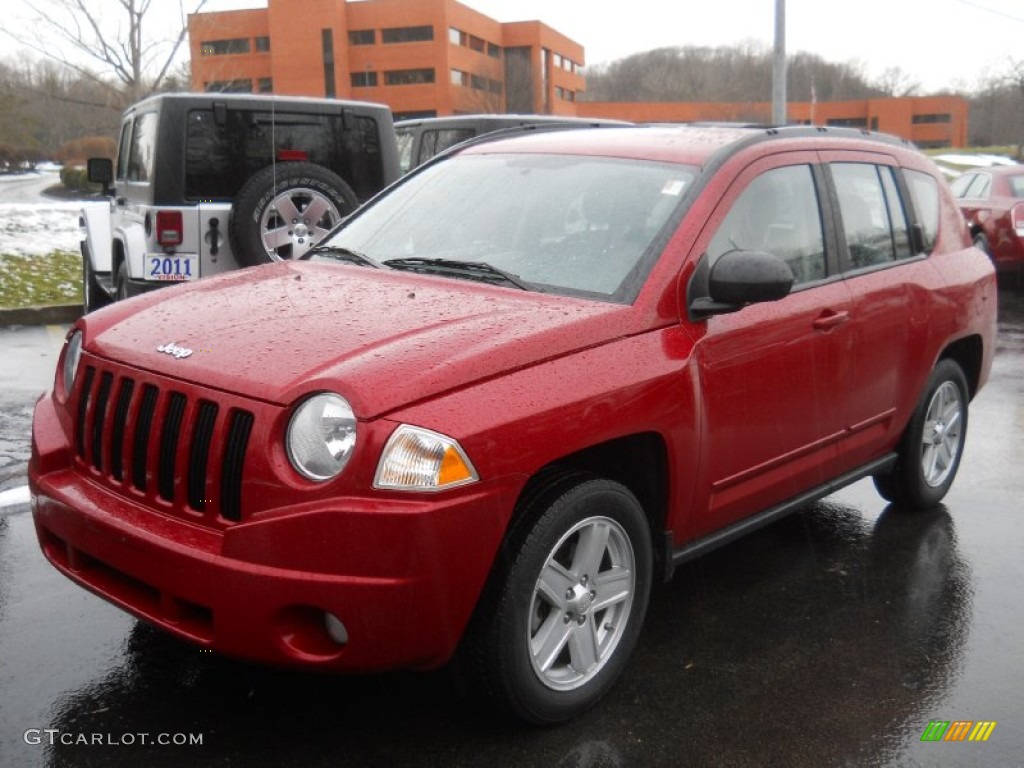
[(581, 603), (295, 221), (941, 437)]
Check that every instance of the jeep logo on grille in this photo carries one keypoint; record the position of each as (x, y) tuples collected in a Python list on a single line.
[(174, 350)]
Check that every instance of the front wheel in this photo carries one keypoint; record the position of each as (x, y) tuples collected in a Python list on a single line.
[(930, 450), (564, 607)]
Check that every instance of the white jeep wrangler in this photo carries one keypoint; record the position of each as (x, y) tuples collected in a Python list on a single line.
[(207, 183)]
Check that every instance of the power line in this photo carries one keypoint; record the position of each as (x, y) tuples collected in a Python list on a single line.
[(993, 11)]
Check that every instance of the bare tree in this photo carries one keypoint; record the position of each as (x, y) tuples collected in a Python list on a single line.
[(104, 38), (897, 83)]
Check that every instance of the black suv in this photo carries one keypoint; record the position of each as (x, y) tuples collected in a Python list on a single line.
[(206, 183), (421, 139)]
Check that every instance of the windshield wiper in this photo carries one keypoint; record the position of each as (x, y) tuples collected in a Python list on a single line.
[(473, 270), (341, 254)]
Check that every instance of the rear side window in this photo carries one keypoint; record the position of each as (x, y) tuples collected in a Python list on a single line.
[(1016, 186), (123, 148), (874, 224), (778, 212), (219, 158), (433, 142), (143, 148), (924, 193), (962, 183)]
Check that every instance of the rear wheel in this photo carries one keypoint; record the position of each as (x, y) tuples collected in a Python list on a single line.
[(564, 608), (929, 452)]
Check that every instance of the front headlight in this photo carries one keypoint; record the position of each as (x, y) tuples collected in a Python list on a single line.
[(417, 459), (321, 436), (72, 355)]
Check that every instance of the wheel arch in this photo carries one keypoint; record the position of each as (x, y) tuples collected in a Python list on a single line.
[(968, 353), (639, 462)]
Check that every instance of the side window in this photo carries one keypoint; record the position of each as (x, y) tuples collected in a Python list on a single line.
[(405, 138), (777, 213), (962, 183), (143, 148), (436, 141), (980, 187), (123, 148), (924, 192), (867, 208)]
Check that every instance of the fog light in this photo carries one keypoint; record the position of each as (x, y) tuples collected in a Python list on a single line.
[(335, 629)]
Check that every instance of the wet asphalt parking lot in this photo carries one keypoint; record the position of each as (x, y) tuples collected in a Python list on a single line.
[(831, 638)]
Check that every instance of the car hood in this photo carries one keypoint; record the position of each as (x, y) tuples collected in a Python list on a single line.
[(382, 339)]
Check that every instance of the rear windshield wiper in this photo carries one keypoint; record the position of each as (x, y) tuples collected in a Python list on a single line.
[(473, 270), (341, 254)]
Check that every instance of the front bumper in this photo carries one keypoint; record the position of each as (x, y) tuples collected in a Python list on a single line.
[(402, 575)]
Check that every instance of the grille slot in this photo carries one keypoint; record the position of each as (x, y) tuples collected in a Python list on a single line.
[(99, 417), (124, 401), (234, 458), (199, 454), (139, 437), (142, 429), (169, 445)]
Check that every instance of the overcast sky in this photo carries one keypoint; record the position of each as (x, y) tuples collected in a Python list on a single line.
[(938, 43)]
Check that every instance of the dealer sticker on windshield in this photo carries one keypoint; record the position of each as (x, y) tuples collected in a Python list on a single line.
[(176, 268)]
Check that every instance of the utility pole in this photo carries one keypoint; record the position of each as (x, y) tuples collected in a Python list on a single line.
[(779, 68)]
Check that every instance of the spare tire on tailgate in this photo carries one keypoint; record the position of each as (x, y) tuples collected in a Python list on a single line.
[(284, 210)]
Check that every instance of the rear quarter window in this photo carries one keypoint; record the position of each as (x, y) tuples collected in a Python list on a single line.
[(924, 194)]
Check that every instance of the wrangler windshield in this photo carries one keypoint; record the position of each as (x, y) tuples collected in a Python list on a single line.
[(582, 226)]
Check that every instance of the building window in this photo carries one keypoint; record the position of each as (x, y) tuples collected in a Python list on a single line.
[(407, 34), (476, 44), (362, 37), (848, 122), (565, 94), (364, 79), (456, 36), (479, 82), (494, 51), (327, 45), (262, 44), (409, 76), (926, 119), (459, 77), (224, 47), (240, 85), (265, 85)]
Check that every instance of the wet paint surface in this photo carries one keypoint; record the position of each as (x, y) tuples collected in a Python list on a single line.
[(831, 638)]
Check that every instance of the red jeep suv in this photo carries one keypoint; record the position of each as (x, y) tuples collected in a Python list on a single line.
[(513, 391)]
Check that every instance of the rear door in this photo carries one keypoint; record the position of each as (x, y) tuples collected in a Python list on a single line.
[(889, 281)]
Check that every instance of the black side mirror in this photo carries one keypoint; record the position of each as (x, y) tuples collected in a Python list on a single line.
[(100, 170), (739, 278)]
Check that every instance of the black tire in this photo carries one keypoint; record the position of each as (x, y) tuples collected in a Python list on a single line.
[(267, 221), (121, 282), (932, 445), (591, 620), (93, 296), (980, 241)]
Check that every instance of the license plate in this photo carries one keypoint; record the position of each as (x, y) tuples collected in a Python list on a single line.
[(172, 269)]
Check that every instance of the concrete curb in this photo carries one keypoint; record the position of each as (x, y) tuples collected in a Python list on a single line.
[(58, 314)]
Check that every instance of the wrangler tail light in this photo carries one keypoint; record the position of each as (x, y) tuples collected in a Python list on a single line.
[(169, 228), (1017, 219)]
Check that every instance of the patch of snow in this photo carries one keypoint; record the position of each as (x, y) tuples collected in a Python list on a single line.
[(34, 229)]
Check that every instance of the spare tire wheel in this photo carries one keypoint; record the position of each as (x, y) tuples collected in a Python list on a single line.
[(284, 210)]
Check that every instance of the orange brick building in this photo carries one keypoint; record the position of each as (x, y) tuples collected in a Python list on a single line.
[(440, 57), (420, 57), (928, 121)]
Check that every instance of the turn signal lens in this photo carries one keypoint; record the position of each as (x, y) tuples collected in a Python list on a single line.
[(417, 459)]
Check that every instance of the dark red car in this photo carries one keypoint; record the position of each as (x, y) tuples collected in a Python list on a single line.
[(992, 201), (511, 393)]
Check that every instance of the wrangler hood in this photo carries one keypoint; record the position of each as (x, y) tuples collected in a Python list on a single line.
[(381, 339)]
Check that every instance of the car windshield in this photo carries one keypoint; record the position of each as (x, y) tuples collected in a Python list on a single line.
[(581, 226)]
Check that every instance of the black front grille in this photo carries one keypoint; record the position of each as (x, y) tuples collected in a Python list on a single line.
[(154, 440)]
